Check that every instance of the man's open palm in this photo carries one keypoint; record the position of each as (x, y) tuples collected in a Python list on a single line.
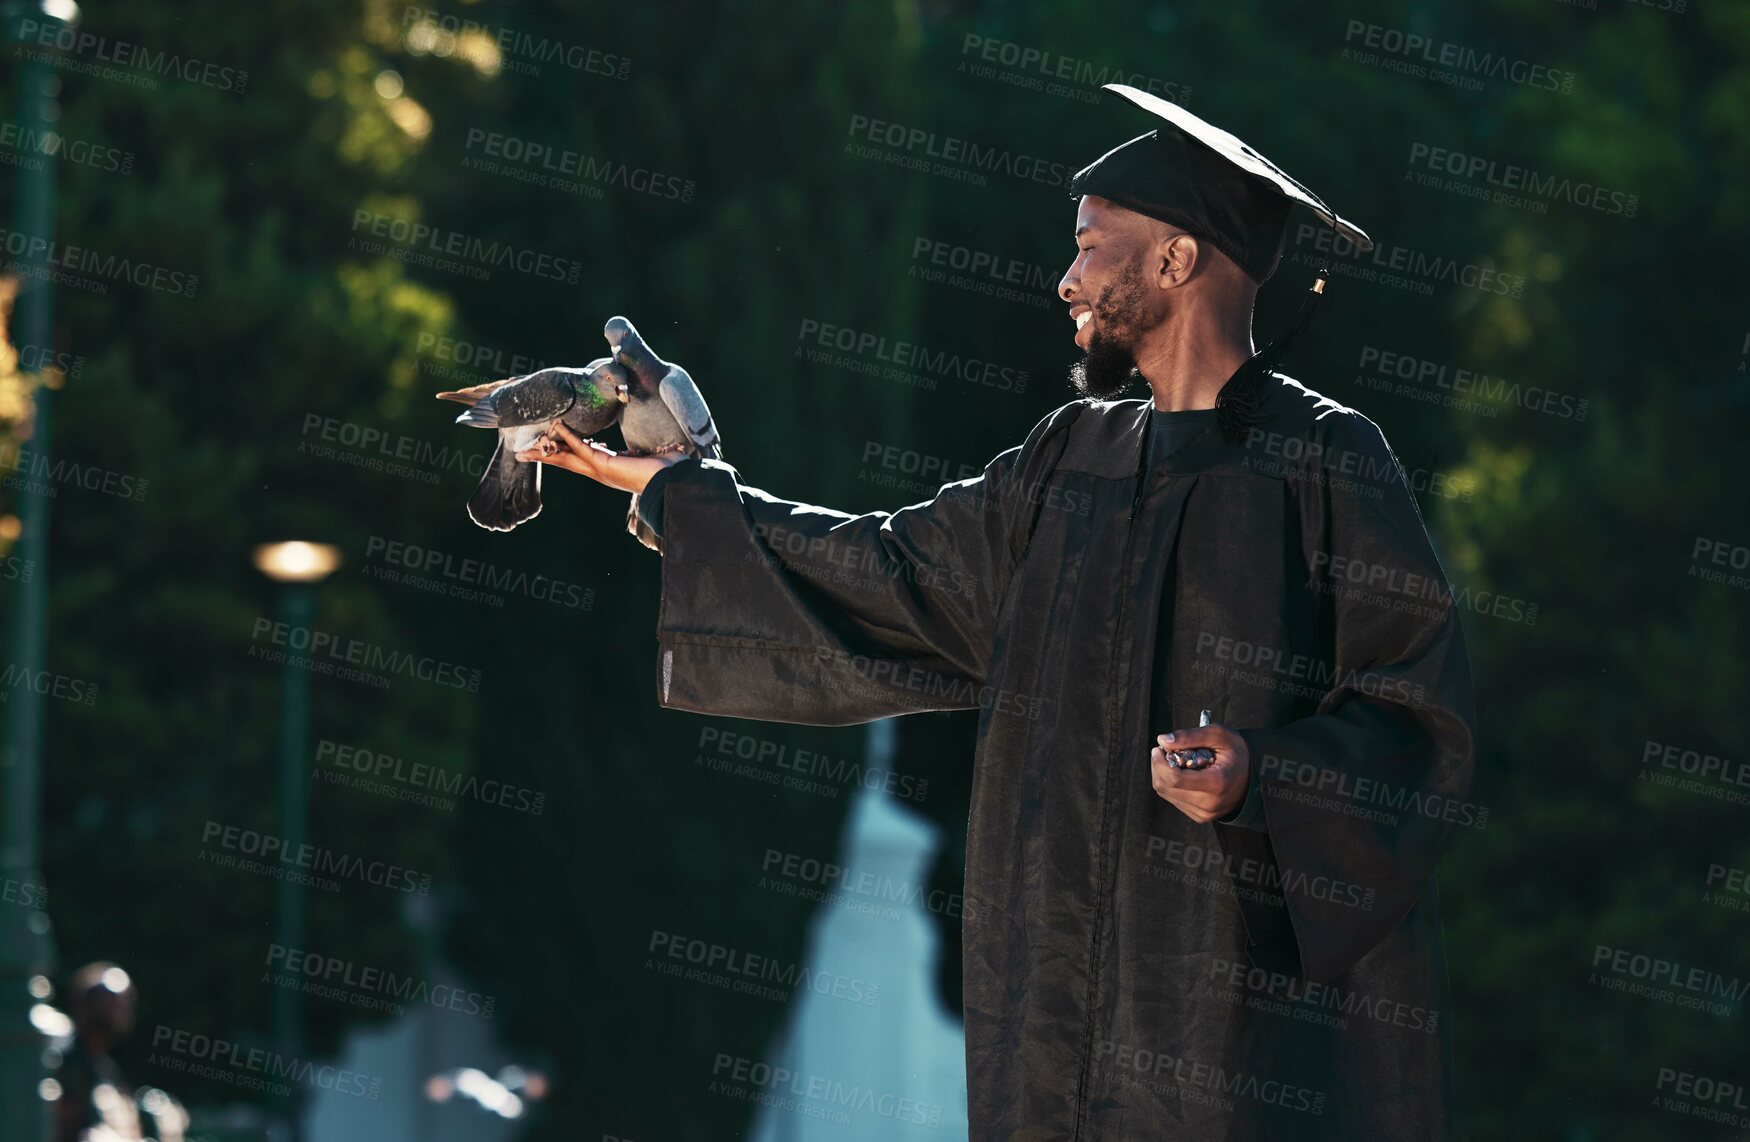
[(599, 462)]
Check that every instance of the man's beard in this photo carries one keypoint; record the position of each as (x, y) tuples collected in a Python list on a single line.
[(1106, 371), (1110, 365)]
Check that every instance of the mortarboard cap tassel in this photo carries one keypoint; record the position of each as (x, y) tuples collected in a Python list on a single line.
[(1237, 405)]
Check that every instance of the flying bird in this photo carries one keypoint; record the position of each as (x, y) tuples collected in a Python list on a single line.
[(665, 412), (523, 409)]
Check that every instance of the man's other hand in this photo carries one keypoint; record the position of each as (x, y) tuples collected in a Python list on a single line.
[(599, 462), (1207, 794)]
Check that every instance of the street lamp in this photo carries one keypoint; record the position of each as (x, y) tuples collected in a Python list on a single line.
[(26, 949), (297, 566), (296, 561)]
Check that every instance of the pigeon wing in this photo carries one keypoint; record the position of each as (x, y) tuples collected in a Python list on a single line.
[(687, 404), (474, 394), (537, 398)]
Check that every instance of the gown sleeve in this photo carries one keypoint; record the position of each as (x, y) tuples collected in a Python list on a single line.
[(1359, 798), (783, 611)]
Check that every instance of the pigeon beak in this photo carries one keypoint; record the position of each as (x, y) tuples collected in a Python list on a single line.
[(623, 393)]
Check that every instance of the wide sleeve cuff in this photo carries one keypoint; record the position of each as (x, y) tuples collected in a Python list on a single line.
[(1250, 814), (650, 499)]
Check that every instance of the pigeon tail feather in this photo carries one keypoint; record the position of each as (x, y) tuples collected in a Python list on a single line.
[(637, 527), (482, 415), (509, 493), (474, 394)]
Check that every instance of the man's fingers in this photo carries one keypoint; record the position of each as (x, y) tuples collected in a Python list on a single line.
[(1207, 780), (573, 452), (559, 459), (571, 438)]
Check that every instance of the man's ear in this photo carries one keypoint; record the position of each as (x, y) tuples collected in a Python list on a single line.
[(1175, 259)]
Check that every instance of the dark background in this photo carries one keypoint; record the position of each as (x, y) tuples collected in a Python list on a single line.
[(1570, 532)]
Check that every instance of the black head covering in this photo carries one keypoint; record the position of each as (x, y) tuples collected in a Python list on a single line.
[(1199, 178), (1183, 183), (1193, 175)]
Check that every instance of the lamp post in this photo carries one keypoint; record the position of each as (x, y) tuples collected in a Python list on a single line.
[(26, 951), (297, 566)]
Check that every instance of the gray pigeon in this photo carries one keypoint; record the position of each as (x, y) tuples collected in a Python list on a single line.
[(665, 411), (522, 409)]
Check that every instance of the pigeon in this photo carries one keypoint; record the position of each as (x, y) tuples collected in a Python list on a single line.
[(665, 411), (522, 409)]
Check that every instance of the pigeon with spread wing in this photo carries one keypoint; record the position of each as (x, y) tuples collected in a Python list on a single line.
[(522, 409)]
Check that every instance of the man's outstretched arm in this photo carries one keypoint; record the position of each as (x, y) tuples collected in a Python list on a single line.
[(784, 611)]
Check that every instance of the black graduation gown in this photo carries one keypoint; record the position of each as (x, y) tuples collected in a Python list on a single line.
[(1130, 974)]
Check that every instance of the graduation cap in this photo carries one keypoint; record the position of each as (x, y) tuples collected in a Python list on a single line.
[(1193, 175)]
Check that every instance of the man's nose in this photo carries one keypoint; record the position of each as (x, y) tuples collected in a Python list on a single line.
[(1071, 283)]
